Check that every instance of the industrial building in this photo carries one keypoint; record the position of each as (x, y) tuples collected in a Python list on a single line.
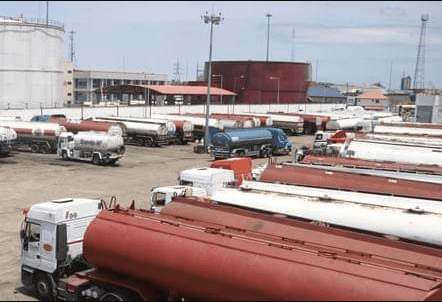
[(31, 63), (262, 82), (81, 84)]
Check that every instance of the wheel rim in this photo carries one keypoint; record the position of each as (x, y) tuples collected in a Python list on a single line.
[(34, 148), (149, 142), (42, 288)]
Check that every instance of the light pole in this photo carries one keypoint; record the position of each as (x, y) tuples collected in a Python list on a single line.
[(221, 86), (237, 90), (276, 78), (212, 19), (268, 15)]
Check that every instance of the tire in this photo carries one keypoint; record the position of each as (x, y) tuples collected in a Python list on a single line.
[(149, 142), (96, 159), (35, 148), (44, 149), (118, 295), (140, 142), (64, 155), (241, 154), (44, 287)]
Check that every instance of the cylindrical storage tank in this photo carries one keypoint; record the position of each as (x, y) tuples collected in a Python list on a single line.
[(97, 141), (31, 60)]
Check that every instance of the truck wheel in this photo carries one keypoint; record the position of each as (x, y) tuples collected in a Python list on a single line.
[(241, 154), (149, 142), (44, 149), (44, 287), (64, 155), (140, 142), (34, 148), (96, 159), (116, 295)]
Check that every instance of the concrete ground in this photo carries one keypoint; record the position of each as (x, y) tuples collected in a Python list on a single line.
[(29, 178)]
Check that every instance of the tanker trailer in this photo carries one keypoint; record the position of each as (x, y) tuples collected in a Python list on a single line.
[(196, 250), (112, 128), (35, 136), (98, 148), (348, 180), (143, 134), (256, 142), (7, 139), (171, 126)]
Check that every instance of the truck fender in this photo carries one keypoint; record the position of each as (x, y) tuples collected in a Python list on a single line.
[(27, 276)]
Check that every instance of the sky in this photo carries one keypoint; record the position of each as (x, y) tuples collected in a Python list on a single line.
[(344, 41)]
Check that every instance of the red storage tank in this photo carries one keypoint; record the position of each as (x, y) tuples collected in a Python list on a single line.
[(213, 252), (257, 82)]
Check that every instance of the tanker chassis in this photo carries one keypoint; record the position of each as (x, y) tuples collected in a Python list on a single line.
[(98, 148), (196, 250)]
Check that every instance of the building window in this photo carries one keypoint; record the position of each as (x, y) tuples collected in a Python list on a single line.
[(81, 83), (69, 94), (69, 71), (69, 83), (96, 83)]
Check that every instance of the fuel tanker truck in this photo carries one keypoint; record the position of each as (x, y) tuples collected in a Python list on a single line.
[(193, 249), (253, 142), (112, 128), (143, 134), (35, 136), (96, 147), (7, 139)]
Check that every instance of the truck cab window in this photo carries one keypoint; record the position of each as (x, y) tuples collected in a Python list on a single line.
[(186, 183), (34, 232), (159, 199)]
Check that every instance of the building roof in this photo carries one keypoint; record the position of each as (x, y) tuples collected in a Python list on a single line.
[(373, 95), (324, 92), (165, 90)]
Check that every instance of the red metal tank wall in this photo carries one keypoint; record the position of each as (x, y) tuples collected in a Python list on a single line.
[(323, 178), (215, 259), (252, 81)]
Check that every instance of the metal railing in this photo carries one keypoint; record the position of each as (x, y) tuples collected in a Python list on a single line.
[(31, 21)]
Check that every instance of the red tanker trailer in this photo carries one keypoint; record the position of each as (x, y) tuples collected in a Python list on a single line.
[(333, 178), (194, 249)]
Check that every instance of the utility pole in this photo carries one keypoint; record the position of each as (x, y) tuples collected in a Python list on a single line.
[(212, 19), (268, 15), (47, 12)]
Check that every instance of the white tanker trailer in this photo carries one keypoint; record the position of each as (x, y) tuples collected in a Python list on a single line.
[(8, 136), (96, 147), (35, 136), (143, 134)]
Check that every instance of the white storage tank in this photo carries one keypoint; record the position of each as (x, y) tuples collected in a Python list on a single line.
[(31, 63)]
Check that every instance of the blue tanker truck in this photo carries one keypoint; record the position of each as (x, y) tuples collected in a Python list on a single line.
[(252, 142)]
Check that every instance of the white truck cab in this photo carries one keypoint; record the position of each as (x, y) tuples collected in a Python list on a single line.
[(210, 179), (161, 196), (51, 238)]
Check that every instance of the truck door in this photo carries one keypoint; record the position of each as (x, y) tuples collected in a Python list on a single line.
[(30, 244)]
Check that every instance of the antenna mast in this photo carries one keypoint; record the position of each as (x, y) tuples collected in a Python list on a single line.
[(420, 61), (72, 48)]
